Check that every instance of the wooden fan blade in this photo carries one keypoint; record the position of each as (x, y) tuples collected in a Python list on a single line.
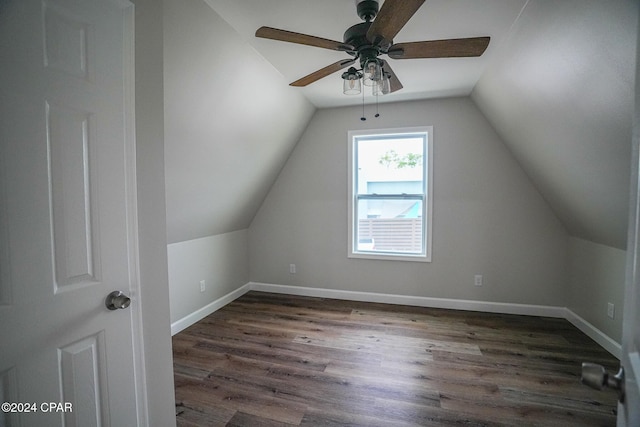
[(452, 48), (393, 15), (323, 72), (394, 83), (299, 38)]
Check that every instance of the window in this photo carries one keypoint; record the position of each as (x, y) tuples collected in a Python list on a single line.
[(390, 196)]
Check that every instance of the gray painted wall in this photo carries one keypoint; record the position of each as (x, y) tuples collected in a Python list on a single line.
[(222, 261), (596, 277), (488, 217), (560, 94), (230, 123)]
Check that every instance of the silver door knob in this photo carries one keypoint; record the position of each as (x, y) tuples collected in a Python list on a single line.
[(116, 300), (595, 376)]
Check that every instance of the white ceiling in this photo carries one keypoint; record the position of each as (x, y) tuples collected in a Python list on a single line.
[(556, 82), (561, 96), (422, 78)]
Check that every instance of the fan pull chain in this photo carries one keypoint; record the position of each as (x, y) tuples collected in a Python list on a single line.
[(363, 118)]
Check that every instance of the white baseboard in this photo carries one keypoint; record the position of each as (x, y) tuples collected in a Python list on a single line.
[(595, 334), (454, 304), (203, 312)]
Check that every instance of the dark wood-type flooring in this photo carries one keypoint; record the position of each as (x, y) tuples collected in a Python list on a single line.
[(279, 360)]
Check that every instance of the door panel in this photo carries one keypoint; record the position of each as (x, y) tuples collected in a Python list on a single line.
[(69, 143), (83, 380), (64, 213), (66, 44)]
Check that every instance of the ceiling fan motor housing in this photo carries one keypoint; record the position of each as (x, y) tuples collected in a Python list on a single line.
[(356, 36), (367, 9)]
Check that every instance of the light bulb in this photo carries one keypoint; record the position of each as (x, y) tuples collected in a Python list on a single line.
[(372, 72), (384, 85)]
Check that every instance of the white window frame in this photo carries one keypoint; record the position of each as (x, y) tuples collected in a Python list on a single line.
[(427, 205)]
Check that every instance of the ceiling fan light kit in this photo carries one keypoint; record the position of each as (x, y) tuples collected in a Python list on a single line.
[(351, 82), (368, 40), (372, 72)]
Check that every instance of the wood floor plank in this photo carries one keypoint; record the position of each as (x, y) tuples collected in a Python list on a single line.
[(187, 416), (561, 402), (265, 351), (241, 419), (279, 361), (384, 343), (521, 413)]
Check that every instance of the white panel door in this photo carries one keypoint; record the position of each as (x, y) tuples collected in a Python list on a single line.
[(67, 214), (629, 410)]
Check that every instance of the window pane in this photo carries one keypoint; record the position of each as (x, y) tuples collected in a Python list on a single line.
[(390, 225), (390, 166)]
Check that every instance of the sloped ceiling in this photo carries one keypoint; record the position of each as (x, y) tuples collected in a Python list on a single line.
[(556, 83), (560, 93), (422, 78), (231, 121)]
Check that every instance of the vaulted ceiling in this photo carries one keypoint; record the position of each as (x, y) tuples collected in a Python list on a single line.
[(560, 93), (422, 78), (556, 82)]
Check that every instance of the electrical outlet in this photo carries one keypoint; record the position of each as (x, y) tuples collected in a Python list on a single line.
[(477, 280), (203, 285), (611, 310), (292, 268)]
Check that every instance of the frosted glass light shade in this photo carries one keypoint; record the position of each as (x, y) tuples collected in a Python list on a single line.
[(351, 85), (372, 72)]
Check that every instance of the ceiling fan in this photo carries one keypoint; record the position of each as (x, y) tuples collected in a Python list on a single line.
[(368, 40)]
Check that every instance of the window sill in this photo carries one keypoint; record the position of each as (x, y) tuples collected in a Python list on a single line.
[(388, 257)]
